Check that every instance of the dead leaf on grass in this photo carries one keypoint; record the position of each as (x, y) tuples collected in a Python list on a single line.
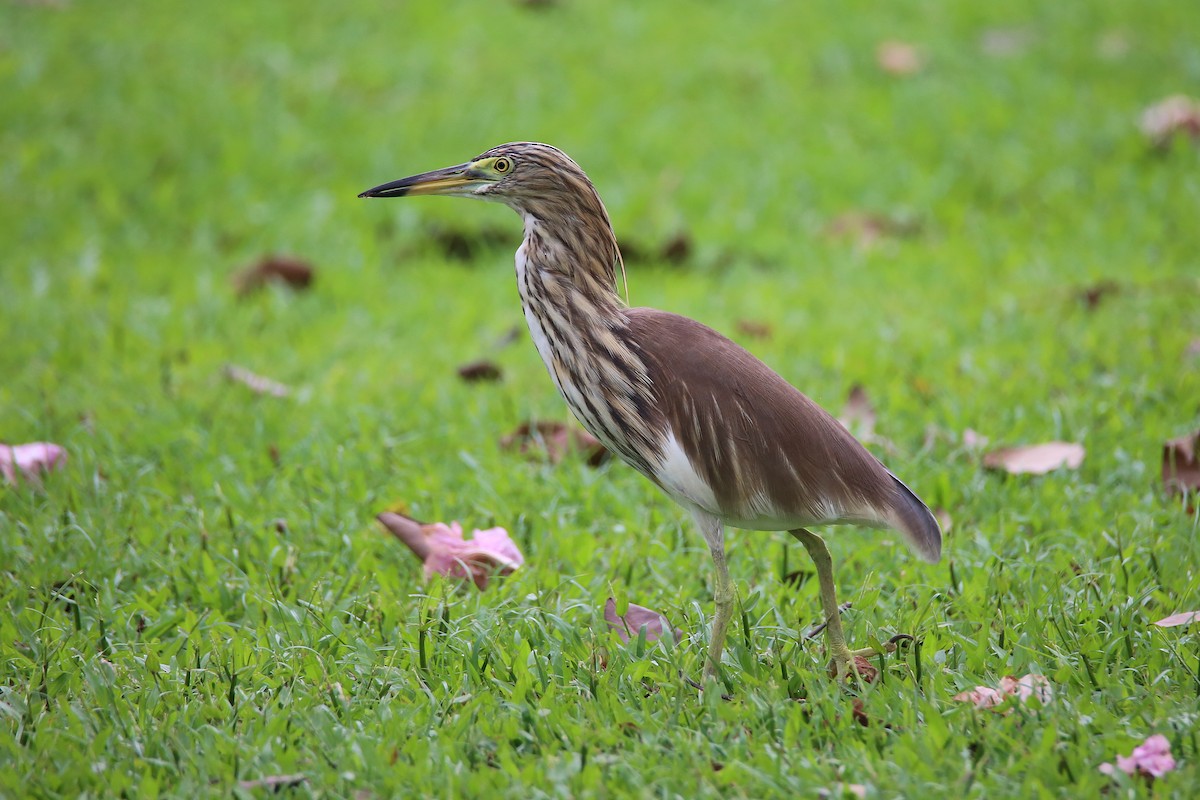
[(1092, 296), (274, 782), (554, 440), (677, 249), (867, 228), (1028, 686), (1005, 42), (1035, 459), (858, 415), (257, 383), (443, 550), (1180, 465), (29, 461), (898, 58), (274, 269), (1177, 114), (754, 329), (1182, 618), (480, 371), (629, 625)]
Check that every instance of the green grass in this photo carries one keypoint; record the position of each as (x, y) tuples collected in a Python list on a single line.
[(162, 634)]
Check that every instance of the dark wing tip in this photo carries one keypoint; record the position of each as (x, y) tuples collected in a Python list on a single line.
[(917, 523)]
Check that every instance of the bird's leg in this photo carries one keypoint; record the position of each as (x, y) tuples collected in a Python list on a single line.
[(843, 656), (714, 534)]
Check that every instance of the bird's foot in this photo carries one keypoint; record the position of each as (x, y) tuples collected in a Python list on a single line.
[(847, 663)]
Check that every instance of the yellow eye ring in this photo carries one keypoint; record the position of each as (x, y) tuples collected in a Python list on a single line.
[(502, 165)]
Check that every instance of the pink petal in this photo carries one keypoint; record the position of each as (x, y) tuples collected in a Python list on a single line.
[(30, 460), (637, 617), (1182, 618), (1106, 768), (497, 541), (1034, 686), (982, 697)]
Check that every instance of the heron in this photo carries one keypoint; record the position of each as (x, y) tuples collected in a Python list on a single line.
[(711, 425)]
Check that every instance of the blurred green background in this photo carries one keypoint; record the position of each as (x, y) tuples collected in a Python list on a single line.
[(931, 234)]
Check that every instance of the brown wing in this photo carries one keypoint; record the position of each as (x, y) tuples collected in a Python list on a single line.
[(769, 453)]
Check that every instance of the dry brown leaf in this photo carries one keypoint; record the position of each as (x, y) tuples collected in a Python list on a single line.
[(1035, 459), (677, 250), (1180, 466), (554, 440), (257, 383), (898, 58), (858, 415), (754, 329), (1177, 114), (274, 269), (1093, 295), (1182, 618), (478, 371)]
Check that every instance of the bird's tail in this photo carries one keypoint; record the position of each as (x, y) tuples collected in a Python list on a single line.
[(913, 518)]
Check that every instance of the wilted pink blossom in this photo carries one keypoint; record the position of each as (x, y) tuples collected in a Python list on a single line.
[(444, 551), (629, 625), (28, 461), (1152, 759), (1026, 687)]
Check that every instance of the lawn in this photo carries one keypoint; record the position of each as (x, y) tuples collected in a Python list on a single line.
[(200, 602)]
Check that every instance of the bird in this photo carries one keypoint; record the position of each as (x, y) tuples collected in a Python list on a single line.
[(716, 429)]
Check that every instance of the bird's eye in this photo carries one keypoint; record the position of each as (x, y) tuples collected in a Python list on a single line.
[(502, 165)]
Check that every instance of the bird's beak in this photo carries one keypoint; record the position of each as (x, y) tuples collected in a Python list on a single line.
[(462, 179)]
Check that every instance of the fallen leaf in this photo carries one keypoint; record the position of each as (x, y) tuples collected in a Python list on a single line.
[(274, 782), (868, 228), (1092, 296), (862, 667), (29, 461), (1182, 618), (677, 249), (1021, 690), (443, 550), (554, 440), (257, 383), (274, 269), (1005, 42), (754, 329), (858, 415), (629, 625), (478, 371), (1176, 114), (973, 439), (1151, 759), (465, 245), (1035, 459), (1180, 466), (898, 58)]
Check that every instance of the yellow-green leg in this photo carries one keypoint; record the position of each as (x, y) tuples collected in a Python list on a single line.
[(842, 656), (714, 534)]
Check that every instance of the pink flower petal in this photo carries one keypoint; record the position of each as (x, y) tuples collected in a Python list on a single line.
[(28, 461), (1026, 687), (443, 550), (1152, 758), (637, 617), (1182, 618)]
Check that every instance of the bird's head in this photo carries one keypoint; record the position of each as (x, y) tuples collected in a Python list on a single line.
[(522, 175)]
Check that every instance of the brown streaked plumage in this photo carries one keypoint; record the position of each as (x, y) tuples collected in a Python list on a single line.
[(719, 431)]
